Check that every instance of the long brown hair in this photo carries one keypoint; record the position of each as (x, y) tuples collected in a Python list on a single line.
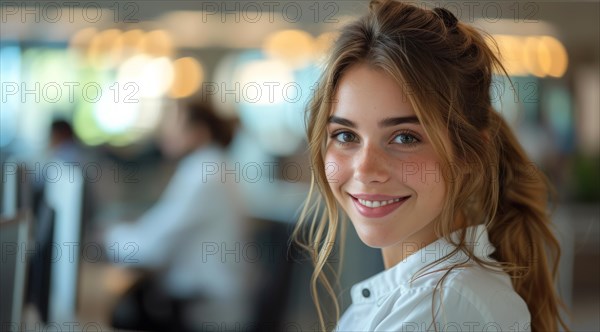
[(448, 67)]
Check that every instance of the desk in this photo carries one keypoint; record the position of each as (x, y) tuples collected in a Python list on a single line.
[(100, 286)]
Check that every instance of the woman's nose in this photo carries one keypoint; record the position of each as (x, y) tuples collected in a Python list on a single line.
[(370, 165)]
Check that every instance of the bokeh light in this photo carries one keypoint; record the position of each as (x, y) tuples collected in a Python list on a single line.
[(187, 76)]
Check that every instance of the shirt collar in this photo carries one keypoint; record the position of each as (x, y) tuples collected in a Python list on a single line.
[(380, 285)]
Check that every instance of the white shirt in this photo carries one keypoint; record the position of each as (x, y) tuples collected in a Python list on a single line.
[(471, 298), (195, 232)]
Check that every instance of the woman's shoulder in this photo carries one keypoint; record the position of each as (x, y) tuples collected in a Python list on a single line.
[(488, 289), (472, 297)]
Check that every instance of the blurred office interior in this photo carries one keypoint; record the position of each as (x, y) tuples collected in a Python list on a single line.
[(117, 72)]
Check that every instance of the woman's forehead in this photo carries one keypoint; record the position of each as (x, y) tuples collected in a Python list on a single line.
[(366, 91)]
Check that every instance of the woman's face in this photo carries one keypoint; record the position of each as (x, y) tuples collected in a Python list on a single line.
[(380, 166)]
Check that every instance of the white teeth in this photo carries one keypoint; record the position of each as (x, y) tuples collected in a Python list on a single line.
[(375, 204)]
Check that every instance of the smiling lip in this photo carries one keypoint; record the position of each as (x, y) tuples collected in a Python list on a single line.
[(377, 212)]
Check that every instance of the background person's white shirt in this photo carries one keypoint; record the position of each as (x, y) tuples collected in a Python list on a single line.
[(195, 233), (471, 298)]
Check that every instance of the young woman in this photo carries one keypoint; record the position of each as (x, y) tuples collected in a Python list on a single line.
[(404, 141)]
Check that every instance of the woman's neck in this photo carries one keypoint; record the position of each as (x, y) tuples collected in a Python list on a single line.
[(395, 254)]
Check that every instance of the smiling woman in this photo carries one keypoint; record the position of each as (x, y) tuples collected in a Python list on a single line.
[(427, 171), (374, 135)]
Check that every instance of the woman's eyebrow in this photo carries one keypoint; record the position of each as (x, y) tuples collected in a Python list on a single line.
[(342, 121), (388, 122)]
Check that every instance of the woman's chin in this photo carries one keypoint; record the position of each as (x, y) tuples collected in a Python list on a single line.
[(374, 239)]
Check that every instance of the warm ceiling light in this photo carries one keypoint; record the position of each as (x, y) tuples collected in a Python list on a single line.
[(531, 58), (81, 40), (105, 48), (558, 56), (157, 43), (131, 41), (511, 53), (188, 76), (295, 47)]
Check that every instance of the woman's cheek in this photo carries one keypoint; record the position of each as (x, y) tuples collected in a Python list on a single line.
[(333, 168)]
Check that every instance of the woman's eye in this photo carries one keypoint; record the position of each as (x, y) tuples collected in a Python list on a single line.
[(406, 139), (344, 137)]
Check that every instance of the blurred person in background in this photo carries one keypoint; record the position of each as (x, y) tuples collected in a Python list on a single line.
[(63, 143), (190, 241), (53, 175), (63, 153), (63, 149)]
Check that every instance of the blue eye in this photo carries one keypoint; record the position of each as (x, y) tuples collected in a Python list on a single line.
[(405, 138)]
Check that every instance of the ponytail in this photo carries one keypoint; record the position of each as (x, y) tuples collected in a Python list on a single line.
[(521, 230)]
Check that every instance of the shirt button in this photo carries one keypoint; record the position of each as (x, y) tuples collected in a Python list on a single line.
[(366, 292)]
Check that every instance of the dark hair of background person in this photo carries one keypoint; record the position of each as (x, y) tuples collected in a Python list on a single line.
[(62, 129), (199, 113)]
